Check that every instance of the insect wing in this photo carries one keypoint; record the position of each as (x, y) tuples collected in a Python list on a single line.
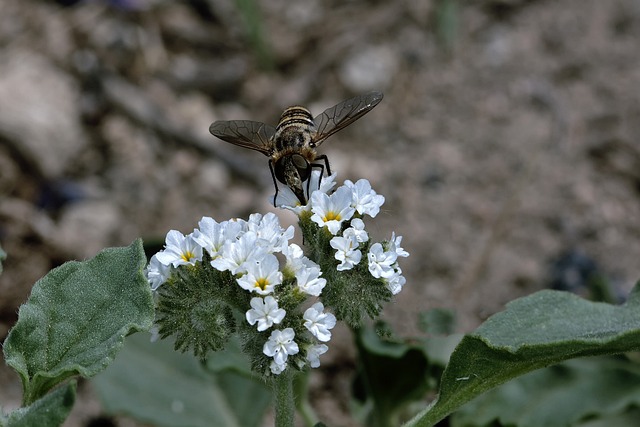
[(245, 133), (343, 114)]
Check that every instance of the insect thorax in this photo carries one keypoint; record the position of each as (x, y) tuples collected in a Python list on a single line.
[(294, 133)]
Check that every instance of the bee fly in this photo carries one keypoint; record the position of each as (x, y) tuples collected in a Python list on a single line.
[(291, 145)]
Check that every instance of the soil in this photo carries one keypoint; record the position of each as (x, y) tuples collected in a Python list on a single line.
[(506, 144)]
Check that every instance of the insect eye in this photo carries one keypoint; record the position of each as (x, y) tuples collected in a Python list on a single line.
[(299, 161)]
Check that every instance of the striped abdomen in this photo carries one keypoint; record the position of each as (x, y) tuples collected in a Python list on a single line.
[(295, 115)]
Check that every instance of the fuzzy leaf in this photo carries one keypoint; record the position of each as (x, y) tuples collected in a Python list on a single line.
[(561, 395), (536, 331), (155, 384), (76, 319), (49, 411)]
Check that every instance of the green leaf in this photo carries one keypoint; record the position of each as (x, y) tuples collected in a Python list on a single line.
[(391, 374), (49, 411), (155, 384), (562, 395), (536, 331), (230, 359), (629, 418), (437, 321), (76, 319)]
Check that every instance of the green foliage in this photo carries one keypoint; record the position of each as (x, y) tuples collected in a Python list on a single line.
[(626, 419), (203, 308), (437, 321), (354, 293), (154, 384), (536, 331), (194, 307), (391, 374), (48, 411), (76, 319), (592, 389)]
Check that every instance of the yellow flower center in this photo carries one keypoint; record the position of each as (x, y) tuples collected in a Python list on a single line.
[(330, 216), (262, 283), (187, 255)]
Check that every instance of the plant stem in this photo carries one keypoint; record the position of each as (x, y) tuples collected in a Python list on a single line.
[(284, 402)]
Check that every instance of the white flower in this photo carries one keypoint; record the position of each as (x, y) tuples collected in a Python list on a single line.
[(265, 312), (280, 345), (314, 352), (235, 254), (325, 183), (287, 199), (381, 262), (319, 323), (294, 255), (235, 227), (212, 235), (356, 230), (156, 272), (261, 275), (294, 258), (331, 211), (309, 280), (365, 200), (270, 234), (306, 271), (394, 245), (347, 252), (179, 250), (277, 368), (209, 235), (396, 282)]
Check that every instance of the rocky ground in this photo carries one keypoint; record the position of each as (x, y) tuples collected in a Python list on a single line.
[(507, 140)]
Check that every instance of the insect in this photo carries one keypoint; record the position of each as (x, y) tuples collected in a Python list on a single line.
[(291, 145)]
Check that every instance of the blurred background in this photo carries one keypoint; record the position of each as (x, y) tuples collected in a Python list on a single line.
[(506, 145)]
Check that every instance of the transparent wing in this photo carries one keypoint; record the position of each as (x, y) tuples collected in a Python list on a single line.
[(245, 133), (343, 114)]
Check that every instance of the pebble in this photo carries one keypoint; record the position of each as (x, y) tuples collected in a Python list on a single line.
[(40, 112)]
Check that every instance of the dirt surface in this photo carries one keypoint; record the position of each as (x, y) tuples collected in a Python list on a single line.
[(507, 137)]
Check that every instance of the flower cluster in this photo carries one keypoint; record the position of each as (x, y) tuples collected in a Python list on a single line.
[(341, 214), (248, 251), (251, 267)]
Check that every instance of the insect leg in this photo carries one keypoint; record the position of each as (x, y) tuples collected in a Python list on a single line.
[(314, 165), (326, 162), (322, 167), (275, 184)]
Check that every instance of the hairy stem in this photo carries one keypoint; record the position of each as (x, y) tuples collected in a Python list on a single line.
[(284, 401)]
